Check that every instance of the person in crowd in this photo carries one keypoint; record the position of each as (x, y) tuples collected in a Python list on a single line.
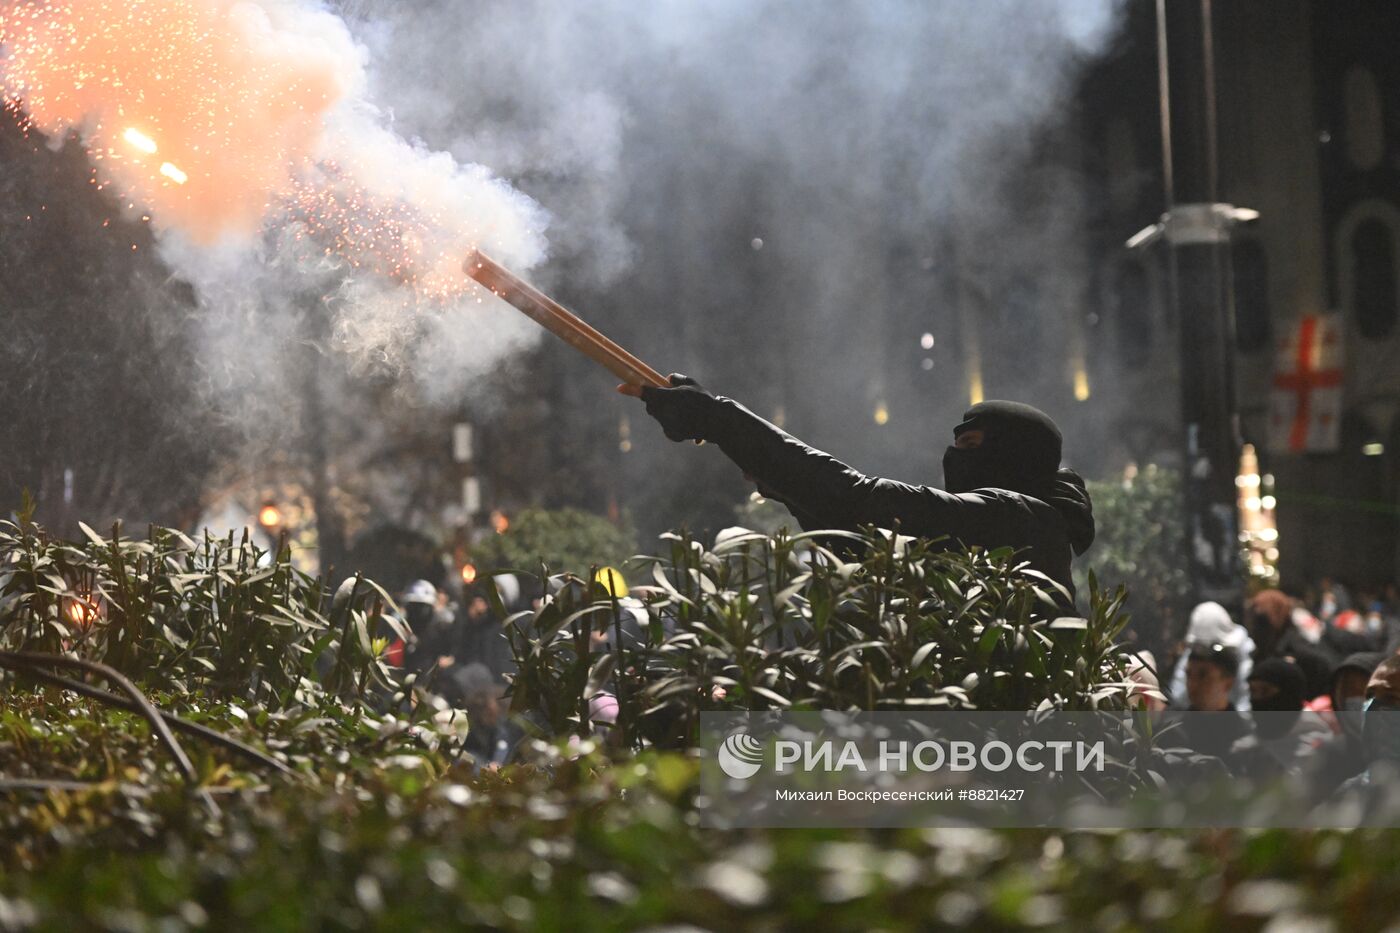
[(481, 638), (1350, 679), (431, 645), (1284, 737), (1348, 634), (1211, 671), (1332, 599), (1342, 755), (1390, 599), (1275, 635), (1380, 624), (1211, 625), (491, 737), (1002, 477), (1380, 727)]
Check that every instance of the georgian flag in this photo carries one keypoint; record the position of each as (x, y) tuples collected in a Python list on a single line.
[(1305, 410)]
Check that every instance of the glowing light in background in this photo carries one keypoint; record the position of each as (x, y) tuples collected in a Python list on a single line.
[(1258, 526), (882, 413), (1081, 384), (80, 612), (468, 574), (269, 516), (173, 173), (974, 393)]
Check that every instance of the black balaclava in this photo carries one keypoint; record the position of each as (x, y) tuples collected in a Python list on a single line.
[(1020, 451), (1292, 687)]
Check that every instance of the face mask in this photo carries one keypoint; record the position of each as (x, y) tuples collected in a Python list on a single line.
[(960, 469), (1380, 730), (1349, 715), (1020, 449)]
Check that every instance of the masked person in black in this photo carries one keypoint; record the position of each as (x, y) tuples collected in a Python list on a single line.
[(1002, 473), (1343, 755), (1286, 735)]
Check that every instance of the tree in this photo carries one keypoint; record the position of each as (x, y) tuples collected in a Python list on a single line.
[(97, 368), (564, 539)]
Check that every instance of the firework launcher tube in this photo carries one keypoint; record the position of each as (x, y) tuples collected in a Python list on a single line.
[(560, 321)]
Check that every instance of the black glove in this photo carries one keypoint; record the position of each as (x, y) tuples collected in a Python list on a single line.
[(685, 411)]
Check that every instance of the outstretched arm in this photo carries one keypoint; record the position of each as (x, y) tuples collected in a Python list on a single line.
[(821, 490)]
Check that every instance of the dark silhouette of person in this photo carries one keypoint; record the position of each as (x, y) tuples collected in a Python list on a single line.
[(1004, 484)]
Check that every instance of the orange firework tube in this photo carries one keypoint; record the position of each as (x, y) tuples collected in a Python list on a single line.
[(560, 321)]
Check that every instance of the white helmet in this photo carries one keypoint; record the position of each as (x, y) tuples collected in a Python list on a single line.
[(420, 591)]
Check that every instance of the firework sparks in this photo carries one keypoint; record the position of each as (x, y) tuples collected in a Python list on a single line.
[(236, 97), (387, 237), (140, 140), (195, 81)]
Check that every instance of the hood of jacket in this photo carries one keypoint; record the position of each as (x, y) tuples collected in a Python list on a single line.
[(1069, 497)]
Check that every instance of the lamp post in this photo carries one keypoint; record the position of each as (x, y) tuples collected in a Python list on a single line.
[(1196, 229)]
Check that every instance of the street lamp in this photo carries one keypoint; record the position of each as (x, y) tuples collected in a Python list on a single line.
[(270, 517)]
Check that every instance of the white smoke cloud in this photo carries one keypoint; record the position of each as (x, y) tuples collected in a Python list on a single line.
[(839, 128)]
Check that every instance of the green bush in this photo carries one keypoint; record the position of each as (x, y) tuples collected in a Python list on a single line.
[(787, 623), (556, 538), (217, 617), (1141, 544), (382, 826)]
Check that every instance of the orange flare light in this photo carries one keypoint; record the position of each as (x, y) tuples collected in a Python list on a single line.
[(139, 140), (202, 81)]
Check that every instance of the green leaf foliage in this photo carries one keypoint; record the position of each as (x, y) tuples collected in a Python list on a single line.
[(382, 825), (558, 538), (1141, 544), (786, 622)]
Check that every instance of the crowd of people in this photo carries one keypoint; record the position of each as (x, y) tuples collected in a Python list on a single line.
[(459, 650), (1294, 684)]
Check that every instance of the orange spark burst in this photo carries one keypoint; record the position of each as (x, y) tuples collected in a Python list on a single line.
[(235, 96), (197, 80)]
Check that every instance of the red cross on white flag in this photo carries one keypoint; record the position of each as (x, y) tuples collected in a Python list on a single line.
[(1305, 411)]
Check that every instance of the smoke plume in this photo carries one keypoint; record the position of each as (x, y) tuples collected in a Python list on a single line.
[(779, 196)]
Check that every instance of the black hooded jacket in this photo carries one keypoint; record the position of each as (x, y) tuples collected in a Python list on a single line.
[(1048, 522)]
